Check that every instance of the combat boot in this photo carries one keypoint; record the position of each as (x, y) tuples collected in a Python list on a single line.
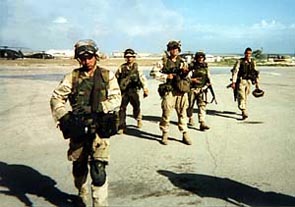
[(82, 197), (186, 139), (244, 114), (139, 123), (191, 121), (164, 140), (121, 131), (203, 126)]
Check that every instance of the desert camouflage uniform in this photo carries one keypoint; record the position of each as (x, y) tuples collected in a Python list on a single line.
[(244, 85), (202, 73), (79, 153), (174, 100), (131, 93)]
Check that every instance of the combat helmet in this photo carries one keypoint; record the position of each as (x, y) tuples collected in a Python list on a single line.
[(200, 54), (129, 53), (85, 48), (258, 93), (173, 44)]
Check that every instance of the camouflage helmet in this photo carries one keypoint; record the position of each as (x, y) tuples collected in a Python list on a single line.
[(129, 53), (85, 48), (200, 54), (173, 44), (257, 93)]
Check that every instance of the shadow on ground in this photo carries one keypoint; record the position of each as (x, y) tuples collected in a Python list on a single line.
[(224, 114), (21, 180), (227, 190)]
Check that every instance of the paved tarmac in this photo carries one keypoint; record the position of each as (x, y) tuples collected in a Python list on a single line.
[(235, 163)]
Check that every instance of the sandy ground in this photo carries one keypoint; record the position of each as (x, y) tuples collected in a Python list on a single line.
[(235, 163)]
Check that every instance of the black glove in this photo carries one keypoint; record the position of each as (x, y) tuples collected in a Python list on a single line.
[(64, 124)]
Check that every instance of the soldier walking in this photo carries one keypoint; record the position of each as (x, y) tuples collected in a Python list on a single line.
[(131, 80), (200, 80), (244, 73), (94, 96), (176, 98)]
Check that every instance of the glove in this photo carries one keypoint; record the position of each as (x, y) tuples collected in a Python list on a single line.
[(64, 125)]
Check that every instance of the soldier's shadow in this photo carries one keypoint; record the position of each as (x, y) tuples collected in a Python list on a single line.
[(134, 131), (225, 114), (21, 180), (227, 190)]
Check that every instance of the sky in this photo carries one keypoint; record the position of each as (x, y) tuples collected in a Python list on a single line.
[(213, 26)]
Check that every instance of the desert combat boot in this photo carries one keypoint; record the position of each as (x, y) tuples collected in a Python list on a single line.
[(191, 121), (244, 114), (164, 140), (186, 139), (203, 126), (139, 123)]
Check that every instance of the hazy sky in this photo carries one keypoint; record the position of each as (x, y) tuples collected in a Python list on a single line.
[(215, 26)]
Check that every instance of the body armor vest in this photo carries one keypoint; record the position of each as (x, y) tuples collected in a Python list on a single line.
[(245, 69), (129, 77), (88, 92), (200, 71)]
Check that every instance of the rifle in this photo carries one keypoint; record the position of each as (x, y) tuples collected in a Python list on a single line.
[(212, 94), (235, 90)]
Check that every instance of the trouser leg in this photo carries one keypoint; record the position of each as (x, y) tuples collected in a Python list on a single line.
[(100, 195), (80, 171), (122, 112)]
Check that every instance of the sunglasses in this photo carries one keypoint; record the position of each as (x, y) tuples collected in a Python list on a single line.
[(88, 57)]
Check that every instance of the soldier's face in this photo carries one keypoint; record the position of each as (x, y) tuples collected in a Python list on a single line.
[(130, 59), (248, 55), (88, 62), (174, 52), (200, 59)]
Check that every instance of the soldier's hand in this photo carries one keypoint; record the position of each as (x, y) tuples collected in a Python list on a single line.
[(145, 93), (196, 80), (233, 85), (170, 76)]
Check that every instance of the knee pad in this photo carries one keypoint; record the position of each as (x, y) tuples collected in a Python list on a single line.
[(97, 172), (80, 168)]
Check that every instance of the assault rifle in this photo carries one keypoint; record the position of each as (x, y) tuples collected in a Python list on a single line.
[(210, 88)]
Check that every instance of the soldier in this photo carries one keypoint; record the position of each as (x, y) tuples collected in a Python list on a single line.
[(93, 93), (131, 80), (243, 73), (176, 98), (200, 79)]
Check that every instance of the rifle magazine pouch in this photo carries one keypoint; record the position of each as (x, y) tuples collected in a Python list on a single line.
[(106, 125), (183, 84)]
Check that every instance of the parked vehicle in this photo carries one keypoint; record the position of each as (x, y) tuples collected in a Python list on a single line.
[(10, 54)]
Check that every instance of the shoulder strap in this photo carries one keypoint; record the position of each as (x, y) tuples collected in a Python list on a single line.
[(75, 80)]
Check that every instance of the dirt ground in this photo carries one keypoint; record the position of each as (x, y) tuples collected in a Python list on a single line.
[(235, 163)]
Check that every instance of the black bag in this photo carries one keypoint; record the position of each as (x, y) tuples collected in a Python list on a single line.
[(106, 124)]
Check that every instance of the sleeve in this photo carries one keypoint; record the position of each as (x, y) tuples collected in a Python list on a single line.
[(235, 71), (113, 101), (142, 79), (118, 72), (60, 96)]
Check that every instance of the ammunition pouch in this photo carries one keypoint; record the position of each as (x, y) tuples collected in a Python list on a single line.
[(164, 88), (124, 83), (76, 127), (106, 124), (183, 85)]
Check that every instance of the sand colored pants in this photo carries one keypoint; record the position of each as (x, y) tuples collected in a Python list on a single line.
[(132, 97), (243, 92), (195, 95), (180, 104), (80, 155)]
